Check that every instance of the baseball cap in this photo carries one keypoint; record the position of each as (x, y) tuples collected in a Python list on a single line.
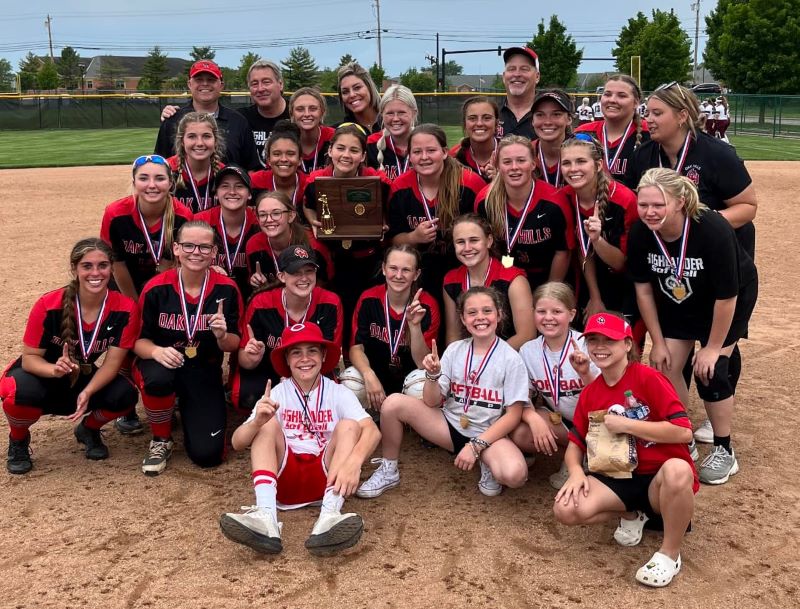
[(609, 325), (234, 170), (556, 95), (306, 332), (204, 65), (295, 257), (529, 53)]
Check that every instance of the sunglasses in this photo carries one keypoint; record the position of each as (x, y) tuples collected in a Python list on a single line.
[(669, 85), (356, 125), (150, 158)]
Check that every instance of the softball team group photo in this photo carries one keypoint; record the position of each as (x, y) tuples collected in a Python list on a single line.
[(550, 289)]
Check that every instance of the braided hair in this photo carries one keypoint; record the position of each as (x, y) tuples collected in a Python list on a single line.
[(602, 183), (637, 95), (69, 326), (219, 144)]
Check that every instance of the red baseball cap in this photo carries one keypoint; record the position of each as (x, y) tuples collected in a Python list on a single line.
[(527, 52), (609, 325), (204, 65), (307, 332)]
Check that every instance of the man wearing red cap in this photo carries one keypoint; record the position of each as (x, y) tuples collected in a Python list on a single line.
[(309, 437), (520, 76), (205, 85)]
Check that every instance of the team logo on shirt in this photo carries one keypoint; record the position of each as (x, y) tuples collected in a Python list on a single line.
[(693, 173), (676, 291)]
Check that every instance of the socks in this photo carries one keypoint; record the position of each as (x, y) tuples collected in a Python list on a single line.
[(20, 418), (724, 442), (265, 484), (159, 413), (391, 464), (332, 502)]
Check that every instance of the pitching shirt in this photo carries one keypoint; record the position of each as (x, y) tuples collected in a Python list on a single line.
[(503, 383)]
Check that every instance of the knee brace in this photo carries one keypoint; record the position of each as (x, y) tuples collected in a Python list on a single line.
[(719, 386)]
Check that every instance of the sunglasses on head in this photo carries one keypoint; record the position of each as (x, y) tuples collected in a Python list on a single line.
[(584, 137), (150, 158), (669, 85), (356, 125)]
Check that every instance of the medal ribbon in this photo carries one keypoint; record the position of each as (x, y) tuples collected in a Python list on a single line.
[(286, 309), (554, 377), (583, 236), (394, 346), (228, 258), (307, 422), (543, 165), (475, 159), (294, 193), (625, 135), (397, 159), (86, 349), (676, 270), (191, 329), (317, 146), (425, 204), (202, 204), (512, 239), (467, 284), (156, 252), (481, 367), (681, 155)]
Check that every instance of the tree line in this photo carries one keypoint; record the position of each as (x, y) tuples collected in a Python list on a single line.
[(751, 48)]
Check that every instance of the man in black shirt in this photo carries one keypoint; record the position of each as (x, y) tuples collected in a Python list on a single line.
[(520, 77), (265, 81), (205, 85)]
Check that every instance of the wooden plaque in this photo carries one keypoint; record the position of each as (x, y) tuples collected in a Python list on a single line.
[(349, 208)]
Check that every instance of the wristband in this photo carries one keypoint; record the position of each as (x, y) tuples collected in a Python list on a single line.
[(483, 444), (432, 377)]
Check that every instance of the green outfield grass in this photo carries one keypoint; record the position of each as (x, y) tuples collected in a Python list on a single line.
[(64, 148)]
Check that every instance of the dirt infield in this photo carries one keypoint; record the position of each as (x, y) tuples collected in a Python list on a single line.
[(89, 534)]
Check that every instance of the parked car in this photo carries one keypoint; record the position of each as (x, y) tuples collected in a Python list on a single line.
[(707, 87)]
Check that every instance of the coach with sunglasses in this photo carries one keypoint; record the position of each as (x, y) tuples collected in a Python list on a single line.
[(205, 85)]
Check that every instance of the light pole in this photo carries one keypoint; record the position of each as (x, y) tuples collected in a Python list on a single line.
[(82, 68)]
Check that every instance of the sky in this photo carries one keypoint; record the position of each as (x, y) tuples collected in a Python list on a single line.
[(328, 29)]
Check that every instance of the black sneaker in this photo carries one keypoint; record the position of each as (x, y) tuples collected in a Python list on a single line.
[(19, 456), (91, 438), (129, 424)]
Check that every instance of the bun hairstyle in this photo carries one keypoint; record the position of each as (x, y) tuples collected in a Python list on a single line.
[(636, 91), (219, 143), (283, 130), (69, 326), (674, 185), (395, 93)]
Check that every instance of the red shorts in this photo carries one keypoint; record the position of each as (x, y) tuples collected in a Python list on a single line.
[(301, 480)]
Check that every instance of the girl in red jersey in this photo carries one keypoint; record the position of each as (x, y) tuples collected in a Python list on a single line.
[(361, 258), (622, 130), (280, 229), (558, 370), (200, 153), (473, 242), (140, 228), (271, 311), (472, 399), (234, 223), (307, 109), (529, 218), (552, 124), (190, 319), (69, 332), (426, 200), (664, 481), (478, 149), (359, 97), (283, 158), (388, 149), (603, 212), (394, 324)]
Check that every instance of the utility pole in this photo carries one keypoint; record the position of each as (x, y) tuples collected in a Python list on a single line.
[(696, 9), (378, 14), (47, 23)]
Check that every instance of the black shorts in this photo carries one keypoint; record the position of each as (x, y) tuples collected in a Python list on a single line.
[(458, 439)]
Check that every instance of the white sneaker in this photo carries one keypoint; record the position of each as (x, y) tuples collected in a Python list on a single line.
[(718, 466), (156, 460), (381, 480), (705, 433), (257, 528), (560, 478), (487, 484), (334, 532)]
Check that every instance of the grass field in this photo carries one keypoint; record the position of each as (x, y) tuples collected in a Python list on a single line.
[(63, 148)]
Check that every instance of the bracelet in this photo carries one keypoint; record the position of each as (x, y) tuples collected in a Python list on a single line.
[(432, 377), (479, 442), (475, 453)]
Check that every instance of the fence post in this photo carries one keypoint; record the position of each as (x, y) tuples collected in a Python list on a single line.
[(102, 124), (775, 116), (39, 107)]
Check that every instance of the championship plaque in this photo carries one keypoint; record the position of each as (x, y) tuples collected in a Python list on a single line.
[(349, 208)]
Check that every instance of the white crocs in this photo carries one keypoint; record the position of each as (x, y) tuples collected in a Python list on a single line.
[(629, 532), (659, 570)]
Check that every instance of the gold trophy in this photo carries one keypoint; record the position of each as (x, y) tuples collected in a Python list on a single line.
[(328, 223)]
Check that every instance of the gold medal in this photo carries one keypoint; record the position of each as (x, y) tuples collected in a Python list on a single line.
[(464, 421), (86, 368), (508, 261), (347, 244), (190, 351), (555, 418), (679, 291)]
